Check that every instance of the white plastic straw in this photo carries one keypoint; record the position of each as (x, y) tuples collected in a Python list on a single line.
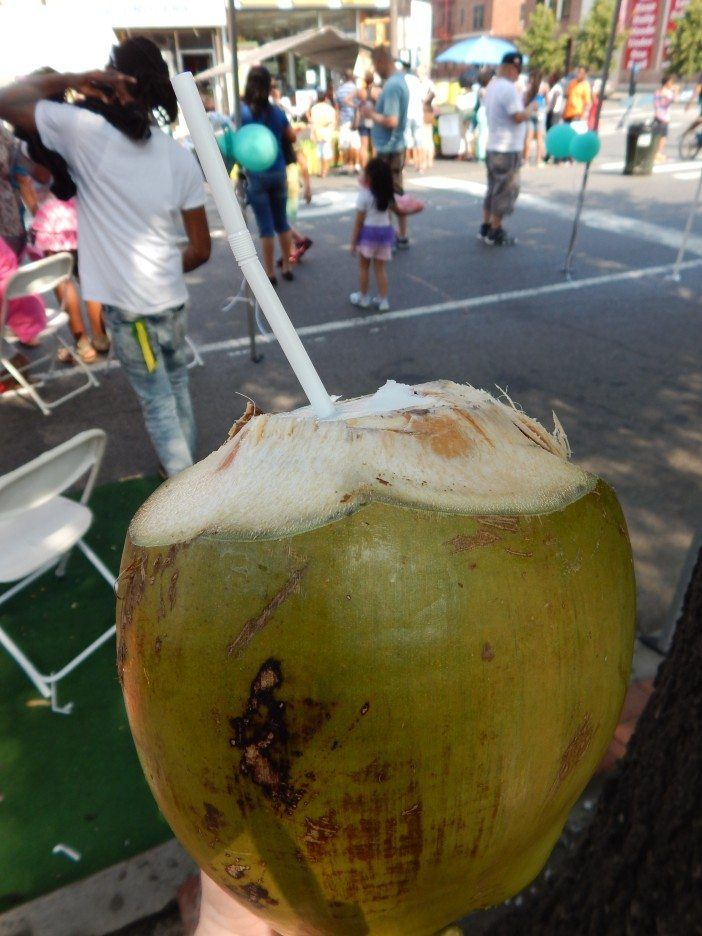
[(242, 244)]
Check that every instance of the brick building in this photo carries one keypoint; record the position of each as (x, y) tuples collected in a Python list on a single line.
[(458, 19)]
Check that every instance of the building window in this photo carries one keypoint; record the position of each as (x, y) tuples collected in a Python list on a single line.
[(522, 14), (565, 10), (463, 15), (479, 16)]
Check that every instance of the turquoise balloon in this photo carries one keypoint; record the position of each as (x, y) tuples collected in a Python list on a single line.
[(558, 140), (255, 147), (585, 146)]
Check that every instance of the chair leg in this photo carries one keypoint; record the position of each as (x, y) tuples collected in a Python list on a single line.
[(90, 377), (197, 360), (25, 384), (66, 709), (97, 563), (25, 664), (47, 685), (61, 567)]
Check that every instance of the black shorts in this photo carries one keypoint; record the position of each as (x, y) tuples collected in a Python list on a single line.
[(660, 128)]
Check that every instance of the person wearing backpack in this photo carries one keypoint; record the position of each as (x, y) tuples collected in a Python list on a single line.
[(268, 191)]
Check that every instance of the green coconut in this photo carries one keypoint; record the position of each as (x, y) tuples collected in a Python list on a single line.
[(371, 662)]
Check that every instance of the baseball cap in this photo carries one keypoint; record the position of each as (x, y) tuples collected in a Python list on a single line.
[(513, 58)]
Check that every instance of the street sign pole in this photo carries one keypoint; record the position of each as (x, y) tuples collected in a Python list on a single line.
[(568, 266)]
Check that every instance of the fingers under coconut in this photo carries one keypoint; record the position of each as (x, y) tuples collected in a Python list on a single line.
[(221, 915)]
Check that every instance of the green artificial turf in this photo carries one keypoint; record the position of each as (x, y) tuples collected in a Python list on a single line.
[(70, 779)]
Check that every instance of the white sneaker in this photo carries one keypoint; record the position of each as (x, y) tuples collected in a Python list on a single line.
[(360, 300), (383, 304)]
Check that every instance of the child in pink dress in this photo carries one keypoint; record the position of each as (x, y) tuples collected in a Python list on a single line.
[(26, 316), (373, 236), (55, 225)]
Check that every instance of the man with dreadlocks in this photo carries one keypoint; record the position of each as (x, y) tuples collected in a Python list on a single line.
[(131, 182)]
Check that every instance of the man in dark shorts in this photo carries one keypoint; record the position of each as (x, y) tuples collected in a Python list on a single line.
[(506, 116), (389, 118)]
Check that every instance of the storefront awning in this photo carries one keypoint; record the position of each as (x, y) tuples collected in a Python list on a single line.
[(324, 46)]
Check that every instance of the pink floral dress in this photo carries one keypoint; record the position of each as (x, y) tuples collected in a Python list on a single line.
[(55, 225)]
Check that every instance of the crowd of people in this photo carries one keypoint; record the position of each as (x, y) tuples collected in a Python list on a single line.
[(87, 171), (385, 111), (343, 134)]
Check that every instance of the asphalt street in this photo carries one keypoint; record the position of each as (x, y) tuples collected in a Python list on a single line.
[(615, 351)]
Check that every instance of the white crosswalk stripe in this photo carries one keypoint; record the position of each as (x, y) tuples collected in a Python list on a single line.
[(660, 169)]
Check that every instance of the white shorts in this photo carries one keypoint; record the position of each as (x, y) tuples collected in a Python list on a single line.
[(324, 150), (413, 134), (348, 137)]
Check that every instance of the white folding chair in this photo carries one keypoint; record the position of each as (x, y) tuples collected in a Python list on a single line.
[(34, 279), (38, 530)]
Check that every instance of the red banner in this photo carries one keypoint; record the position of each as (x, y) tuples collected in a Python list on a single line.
[(643, 28)]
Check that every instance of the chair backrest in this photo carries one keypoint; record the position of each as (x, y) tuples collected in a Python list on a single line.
[(40, 276), (35, 278), (51, 473)]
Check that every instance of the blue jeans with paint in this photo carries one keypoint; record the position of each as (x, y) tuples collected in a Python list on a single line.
[(153, 358)]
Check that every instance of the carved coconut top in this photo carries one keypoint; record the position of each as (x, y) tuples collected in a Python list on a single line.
[(436, 446)]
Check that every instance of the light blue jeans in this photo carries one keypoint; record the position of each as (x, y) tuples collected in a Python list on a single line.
[(163, 392)]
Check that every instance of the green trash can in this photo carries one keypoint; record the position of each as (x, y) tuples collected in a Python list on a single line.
[(641, 149)]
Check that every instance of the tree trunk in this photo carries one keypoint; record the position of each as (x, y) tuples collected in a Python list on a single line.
[(638, 869)]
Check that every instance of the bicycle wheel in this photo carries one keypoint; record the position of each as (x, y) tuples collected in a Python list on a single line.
[(689, 144)]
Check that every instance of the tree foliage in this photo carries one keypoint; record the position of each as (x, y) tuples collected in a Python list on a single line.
[(591, 39), (685, 50), (541, 41)]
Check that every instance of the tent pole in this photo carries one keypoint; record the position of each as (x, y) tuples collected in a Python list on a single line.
[(233, 42), (568, 266)]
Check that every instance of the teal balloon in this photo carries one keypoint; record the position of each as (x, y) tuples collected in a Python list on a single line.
[(255, 147), (558, 140), (585, 146), (225, 142)]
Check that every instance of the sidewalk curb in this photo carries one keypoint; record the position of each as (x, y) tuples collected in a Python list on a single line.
[(107, 901)]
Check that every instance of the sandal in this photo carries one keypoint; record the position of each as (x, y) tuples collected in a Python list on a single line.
[(101, 343), (83, 349)]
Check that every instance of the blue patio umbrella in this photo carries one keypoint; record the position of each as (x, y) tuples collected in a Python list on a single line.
[(478, 50)]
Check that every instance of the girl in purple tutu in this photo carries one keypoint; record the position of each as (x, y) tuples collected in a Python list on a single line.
[(373, 236)]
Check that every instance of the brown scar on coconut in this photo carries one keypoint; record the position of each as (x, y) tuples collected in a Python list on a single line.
[(261, 734), (258, 623)]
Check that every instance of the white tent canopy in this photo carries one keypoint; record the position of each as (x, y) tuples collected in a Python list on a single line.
[(324, 46)]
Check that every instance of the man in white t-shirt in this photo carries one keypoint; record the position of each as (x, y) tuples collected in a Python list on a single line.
[(505, 112), (133, 185), (415, 117)]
